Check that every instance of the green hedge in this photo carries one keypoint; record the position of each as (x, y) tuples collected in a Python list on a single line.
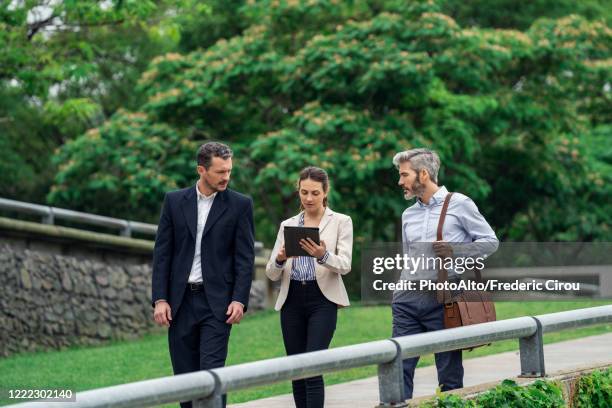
[(594, 390), (591, 391)]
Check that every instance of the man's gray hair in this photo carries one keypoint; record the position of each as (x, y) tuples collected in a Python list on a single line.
[(420, 159), (213, 149)]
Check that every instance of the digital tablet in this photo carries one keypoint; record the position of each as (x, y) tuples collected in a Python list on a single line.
[(293, 235)]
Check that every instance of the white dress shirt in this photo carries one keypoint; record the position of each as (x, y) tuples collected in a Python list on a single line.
[(204, 205)]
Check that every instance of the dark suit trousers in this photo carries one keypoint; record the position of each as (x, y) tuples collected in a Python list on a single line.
[(420, 313), (197, 339), (308, 322)]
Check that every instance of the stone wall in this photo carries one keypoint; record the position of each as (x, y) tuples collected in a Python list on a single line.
[(52, 300), (49, 301)]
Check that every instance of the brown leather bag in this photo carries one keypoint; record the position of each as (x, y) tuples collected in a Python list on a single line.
[(469, 307)]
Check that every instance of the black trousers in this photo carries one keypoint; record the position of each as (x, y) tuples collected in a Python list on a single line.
[(308, 322), (197, 340)]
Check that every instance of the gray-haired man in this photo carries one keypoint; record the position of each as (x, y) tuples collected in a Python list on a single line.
[(415, 312)]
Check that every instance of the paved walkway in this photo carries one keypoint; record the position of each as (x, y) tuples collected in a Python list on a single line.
[(594, 350)]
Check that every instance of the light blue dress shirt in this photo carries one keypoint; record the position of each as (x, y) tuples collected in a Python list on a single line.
[(463, 224)]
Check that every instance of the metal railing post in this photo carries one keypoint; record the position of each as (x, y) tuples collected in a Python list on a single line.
[(532, 354), (391, 381), (48, 218), (126, 231), (214, 401)]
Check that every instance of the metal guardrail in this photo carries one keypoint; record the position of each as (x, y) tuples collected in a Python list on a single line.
[(50, 214), (205, 388)]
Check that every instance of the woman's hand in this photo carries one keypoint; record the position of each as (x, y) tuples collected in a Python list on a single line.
[(281, 256), (312, 248)]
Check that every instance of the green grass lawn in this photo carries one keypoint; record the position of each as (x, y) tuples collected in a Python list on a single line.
[(257, 337)]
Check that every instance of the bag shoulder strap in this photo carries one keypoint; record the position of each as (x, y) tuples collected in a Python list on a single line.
[(443, 216), (443, 273)]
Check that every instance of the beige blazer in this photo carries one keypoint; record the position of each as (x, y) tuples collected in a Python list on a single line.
[(337, 231)]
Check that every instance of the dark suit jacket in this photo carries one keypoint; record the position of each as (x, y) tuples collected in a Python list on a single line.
[(227, 249)]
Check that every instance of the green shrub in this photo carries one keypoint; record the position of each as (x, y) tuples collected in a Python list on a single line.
[(510, 394), (592, 391)]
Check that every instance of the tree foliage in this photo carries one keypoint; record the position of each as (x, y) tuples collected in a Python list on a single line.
[(521, 14), (345, 86), (66, 66), (519, 110), (122, 168)]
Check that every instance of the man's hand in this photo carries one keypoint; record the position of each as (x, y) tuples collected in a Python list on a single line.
[(162, 313), (235, 311), (312, 248), (443, 249)]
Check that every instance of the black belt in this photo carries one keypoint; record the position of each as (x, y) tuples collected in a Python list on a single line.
[(195, 286), (304, 282)]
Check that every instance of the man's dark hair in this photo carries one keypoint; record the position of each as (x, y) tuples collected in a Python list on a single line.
[(213, 149)]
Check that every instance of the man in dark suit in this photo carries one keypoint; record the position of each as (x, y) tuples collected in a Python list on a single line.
[(203, 263)]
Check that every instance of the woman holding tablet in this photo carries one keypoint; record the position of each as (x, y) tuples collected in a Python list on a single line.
[(311, 286)]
